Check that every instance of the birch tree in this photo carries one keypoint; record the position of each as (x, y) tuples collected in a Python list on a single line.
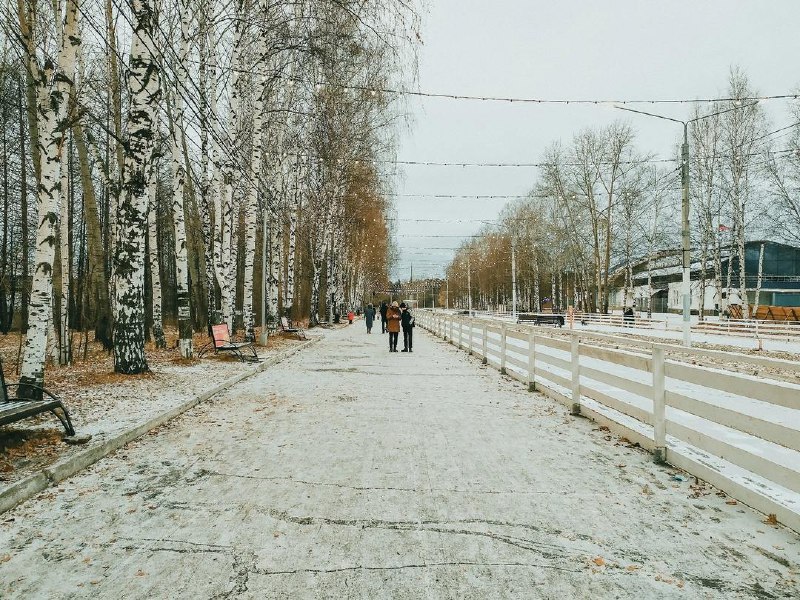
[(53, 82), (145, 92)]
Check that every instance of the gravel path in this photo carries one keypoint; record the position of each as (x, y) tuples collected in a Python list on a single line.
[(347, 472)]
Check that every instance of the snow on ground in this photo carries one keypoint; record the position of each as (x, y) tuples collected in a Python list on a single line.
[(784, 485), (347, 472), (104, 404)]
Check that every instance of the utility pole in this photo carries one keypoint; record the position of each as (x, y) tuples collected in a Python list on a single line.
[(513, 282), (686, 242), (469, 289), (685, 239)]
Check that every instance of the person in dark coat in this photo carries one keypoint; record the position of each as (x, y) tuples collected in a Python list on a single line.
[(369, 317), (393, 317), (407, 321), (383, 309), (628, 317)]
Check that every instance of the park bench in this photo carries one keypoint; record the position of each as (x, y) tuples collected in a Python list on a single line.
[(286, 327), (14, 408), (221, 342), (540, 318)]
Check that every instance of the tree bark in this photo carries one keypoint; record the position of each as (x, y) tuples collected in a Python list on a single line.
[(131, 224), (53, 87)]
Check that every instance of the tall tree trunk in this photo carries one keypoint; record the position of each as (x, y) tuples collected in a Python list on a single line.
[(64, 345), (53, 86), (131, 224), (155, 272), (179, 221), (97, 283), (758, 284)]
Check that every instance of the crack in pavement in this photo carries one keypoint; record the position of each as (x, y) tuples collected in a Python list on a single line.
[(376, 488), (416, 566), (542, 548)]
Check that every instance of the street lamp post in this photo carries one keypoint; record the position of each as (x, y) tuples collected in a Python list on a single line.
[(685, 239)]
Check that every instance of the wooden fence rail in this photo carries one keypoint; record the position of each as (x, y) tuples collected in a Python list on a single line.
[(739, 432)]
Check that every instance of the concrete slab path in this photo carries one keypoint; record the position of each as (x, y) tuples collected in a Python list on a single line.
[(349, 472)]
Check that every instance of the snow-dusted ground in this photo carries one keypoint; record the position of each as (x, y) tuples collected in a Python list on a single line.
[(104, 404), (349, 472), (767, 469)]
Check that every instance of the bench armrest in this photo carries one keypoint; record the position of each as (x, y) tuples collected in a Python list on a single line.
[(34, 386)]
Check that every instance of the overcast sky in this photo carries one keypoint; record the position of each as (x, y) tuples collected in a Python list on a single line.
[(565, 50)]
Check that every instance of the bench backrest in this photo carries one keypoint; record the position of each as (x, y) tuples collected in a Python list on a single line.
[(221, 335)]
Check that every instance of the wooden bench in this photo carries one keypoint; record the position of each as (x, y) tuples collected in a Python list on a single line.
[(13, 408), (540, 318), (287, 328), (221, 342)]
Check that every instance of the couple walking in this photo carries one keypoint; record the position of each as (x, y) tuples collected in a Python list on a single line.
[(397, 317)]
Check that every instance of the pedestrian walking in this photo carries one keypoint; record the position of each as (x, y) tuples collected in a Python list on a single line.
[(628, 318), (393, 317), (383, 310), (350, 316), (369, 317), (407, 322)]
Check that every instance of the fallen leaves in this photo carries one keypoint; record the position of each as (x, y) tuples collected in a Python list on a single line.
[(772, 519)]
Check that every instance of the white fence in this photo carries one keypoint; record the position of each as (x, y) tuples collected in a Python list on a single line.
[(739, 432), (780, 330)]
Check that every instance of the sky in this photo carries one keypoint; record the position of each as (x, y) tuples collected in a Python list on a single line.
[(570, 49)]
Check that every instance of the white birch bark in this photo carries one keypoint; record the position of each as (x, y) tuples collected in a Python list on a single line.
[(276, 237), (760, 277), (144, 89), (289, 284), (53, 95), (227, 270), (64, 341), (220, 196), (251, 199), (178, 185), (155, 274)]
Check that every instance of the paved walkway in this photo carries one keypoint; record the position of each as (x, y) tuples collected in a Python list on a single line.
[(347, 472)]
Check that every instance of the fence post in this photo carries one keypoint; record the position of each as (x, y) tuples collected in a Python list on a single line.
[(450, 337), (460, 333), (531, 360), (484, 344), (503, 344), (471, 331), (659, 408), (576, 375)]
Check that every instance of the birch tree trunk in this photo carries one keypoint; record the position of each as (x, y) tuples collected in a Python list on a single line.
[(178, 192), (276, 238), (228, 252), (131, 223), (64, 342), (99, 304), (53, 83), (289, 283), (251, 200), (760, 276), (155, 274)]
